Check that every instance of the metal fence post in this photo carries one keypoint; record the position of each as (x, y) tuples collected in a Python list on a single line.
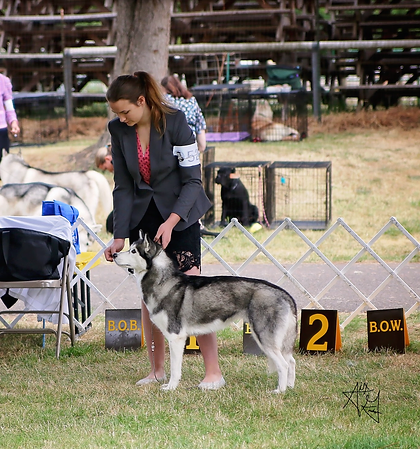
[(68, 84)]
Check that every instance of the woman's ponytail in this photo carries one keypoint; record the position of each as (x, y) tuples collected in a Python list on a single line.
[(154, 99)]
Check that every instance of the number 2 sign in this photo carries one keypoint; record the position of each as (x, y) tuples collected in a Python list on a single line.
[(319, 331)]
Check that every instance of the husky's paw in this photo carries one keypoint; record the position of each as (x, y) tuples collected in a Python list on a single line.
[(278, 391), (168, 387)]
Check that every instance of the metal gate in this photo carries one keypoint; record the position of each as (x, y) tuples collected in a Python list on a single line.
[(363, 300)]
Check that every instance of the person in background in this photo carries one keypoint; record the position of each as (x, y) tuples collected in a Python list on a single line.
[(183, 99), (158, 189), (8, 116), (103, 159), (178, 95)]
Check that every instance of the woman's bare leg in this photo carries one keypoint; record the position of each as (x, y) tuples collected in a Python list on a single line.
[(155, 342)]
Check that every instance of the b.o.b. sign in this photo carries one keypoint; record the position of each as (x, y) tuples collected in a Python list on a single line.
[(123, 329), (319, 331)]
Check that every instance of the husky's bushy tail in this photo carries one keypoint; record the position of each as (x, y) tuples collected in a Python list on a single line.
[(104, 190)]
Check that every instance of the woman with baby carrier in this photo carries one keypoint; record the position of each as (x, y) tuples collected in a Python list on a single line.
[(158, 189)]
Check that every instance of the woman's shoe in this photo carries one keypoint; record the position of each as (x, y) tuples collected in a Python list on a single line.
[(149, 380), (212, 385)]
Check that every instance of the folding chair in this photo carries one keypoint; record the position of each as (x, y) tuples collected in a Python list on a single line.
[(63, 283)]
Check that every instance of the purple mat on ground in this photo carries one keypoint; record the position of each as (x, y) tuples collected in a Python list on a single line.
[(227, 137)]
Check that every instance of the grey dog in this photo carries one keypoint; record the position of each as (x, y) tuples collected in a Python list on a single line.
[(181, 306)]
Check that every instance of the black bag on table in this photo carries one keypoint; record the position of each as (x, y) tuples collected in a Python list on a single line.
[(28, 255)]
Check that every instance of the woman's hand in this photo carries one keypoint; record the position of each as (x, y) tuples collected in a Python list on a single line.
[(116, 246), (164, 233), (14, 128)]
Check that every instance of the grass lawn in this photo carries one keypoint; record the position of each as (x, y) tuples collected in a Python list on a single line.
[(88, 399)]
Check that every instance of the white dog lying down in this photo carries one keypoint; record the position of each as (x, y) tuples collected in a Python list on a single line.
[(181, 305), (91, 186), (26, 200)]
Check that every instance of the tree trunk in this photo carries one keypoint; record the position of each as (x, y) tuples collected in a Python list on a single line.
[(143, 32), (142, 38)]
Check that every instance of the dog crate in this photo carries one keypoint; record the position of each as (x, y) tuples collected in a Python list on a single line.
[(226, 110), (278, 116), (207, 157), (300, 191), (235, 113), (252, 175)]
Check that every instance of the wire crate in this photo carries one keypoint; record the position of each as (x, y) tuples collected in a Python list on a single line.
[(226, 110), (278, 116), (234, 113), (252, 175), (300, 191)]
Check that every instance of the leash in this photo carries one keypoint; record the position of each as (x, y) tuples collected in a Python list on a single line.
[(261, 196), (152, 347)]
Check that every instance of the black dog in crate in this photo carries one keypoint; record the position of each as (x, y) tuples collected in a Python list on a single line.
[(235, 198)]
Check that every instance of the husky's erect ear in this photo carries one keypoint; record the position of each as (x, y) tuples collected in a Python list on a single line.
[(141, 235), (147, 248), (147, 243)]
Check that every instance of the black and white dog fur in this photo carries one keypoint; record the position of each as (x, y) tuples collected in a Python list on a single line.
[(235, 198), (91, 186), (26, 200), (181, 305)]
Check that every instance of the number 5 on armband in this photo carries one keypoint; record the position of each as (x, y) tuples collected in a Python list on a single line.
[(319, 331)]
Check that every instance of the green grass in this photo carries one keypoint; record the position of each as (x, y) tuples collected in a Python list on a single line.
[(88, 399)]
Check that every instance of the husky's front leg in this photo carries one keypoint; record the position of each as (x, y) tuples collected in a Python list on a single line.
[(176, 351)]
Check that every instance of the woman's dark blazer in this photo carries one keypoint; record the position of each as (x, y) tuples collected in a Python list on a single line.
[(175, 188)]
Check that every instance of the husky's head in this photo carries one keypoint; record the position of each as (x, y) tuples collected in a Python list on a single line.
[(12, 168), (140, 255)]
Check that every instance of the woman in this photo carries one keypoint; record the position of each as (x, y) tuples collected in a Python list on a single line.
[(158, 189), (7, 114), (178, 95)]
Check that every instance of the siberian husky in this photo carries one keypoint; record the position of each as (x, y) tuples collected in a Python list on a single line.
[(26, 200), (89, 185), (181, 305)]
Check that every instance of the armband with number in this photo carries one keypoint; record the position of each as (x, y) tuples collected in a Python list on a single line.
[(188, 155)]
